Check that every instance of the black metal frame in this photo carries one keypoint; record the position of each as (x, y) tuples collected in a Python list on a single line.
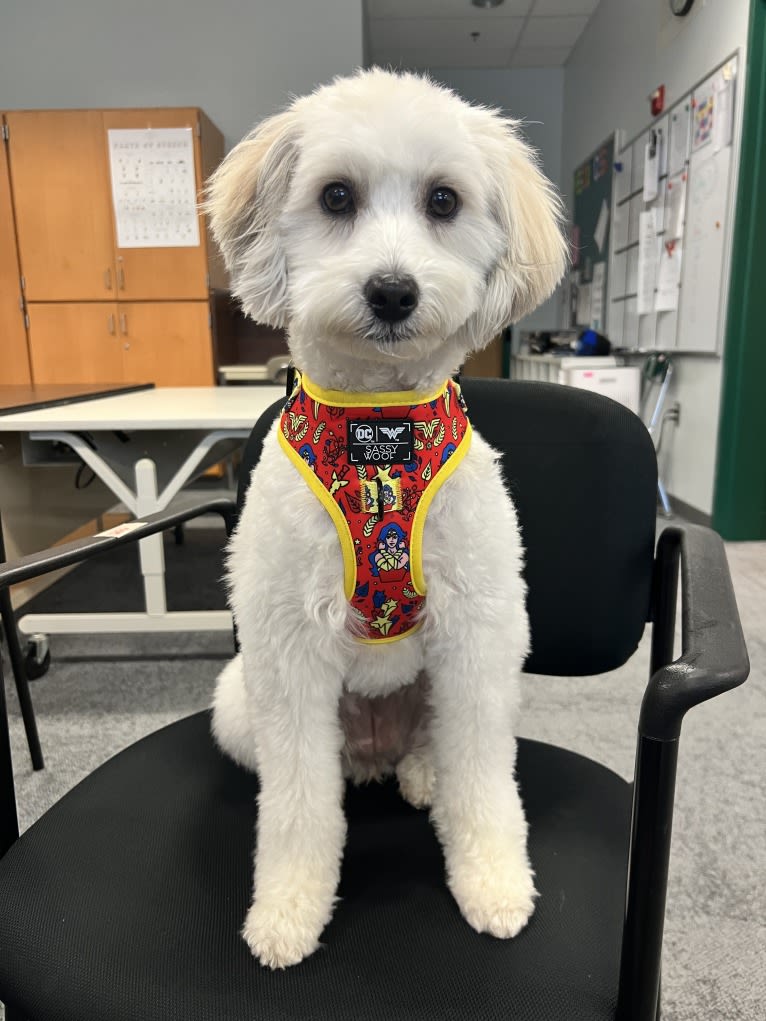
[(713, 660), (19, 669)]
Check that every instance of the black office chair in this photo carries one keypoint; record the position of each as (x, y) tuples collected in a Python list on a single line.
[(126, 899)]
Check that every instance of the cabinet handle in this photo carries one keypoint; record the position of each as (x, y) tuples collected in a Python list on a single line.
[(124, 323), (108, 279), (121, 278), (111, 324)]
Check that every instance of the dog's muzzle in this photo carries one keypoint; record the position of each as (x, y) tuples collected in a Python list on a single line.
[(391, 298)]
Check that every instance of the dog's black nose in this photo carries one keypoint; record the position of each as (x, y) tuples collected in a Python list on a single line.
[(391, 298)]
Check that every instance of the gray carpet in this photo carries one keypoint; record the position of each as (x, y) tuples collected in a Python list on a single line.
[(102, 693)]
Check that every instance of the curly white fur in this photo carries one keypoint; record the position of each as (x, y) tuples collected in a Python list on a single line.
[(279, 706)]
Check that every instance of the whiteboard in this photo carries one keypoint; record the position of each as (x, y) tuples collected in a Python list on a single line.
[(696, 157), (704, 233)]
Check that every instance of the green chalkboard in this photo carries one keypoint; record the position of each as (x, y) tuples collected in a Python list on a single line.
[(591, 229)]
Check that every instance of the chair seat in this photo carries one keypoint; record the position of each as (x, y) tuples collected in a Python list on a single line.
[(153, 853)]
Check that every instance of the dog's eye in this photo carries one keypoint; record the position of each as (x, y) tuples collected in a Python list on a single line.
[(442, 203), (338, 198)]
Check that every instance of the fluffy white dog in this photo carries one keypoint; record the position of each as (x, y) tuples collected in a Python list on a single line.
[(391, 228)]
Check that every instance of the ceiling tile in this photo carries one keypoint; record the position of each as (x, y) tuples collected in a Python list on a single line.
[(444, 9), (435, 33), (444, 57), (553, 31), (540, 56), (548, 8)]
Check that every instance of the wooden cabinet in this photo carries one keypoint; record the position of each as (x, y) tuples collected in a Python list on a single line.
[(98, 312), (62, 201), (90, 351), (166, 342), (14, 357)]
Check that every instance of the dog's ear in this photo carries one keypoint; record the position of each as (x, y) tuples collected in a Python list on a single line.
[(529, 213), (244, 199)]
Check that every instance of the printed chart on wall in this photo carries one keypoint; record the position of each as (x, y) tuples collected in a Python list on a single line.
[(591, 231), (672, 224), (154, 189)]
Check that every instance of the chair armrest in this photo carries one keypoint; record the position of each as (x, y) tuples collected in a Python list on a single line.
[(35, 564), (714, 656)]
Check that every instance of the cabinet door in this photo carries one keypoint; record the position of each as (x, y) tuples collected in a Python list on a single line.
[(167, 343), (75, 343), (14, 357), (63, 207), (161, 273)]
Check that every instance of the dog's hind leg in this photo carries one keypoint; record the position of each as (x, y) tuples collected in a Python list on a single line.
[(415, 771), (231, 725), (416, 777)]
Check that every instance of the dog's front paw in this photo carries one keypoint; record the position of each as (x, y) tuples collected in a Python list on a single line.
[(282, 933), (498, 899)]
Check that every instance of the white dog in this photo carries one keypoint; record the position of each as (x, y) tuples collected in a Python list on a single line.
[(391, 228)]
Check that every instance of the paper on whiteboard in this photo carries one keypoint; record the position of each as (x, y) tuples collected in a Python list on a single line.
[(676, 207), (724, 111), (597, 288), (599, 234), (669, 277), (154, 188), (647, 261), (704, 113), (652, 167), (679, 139)]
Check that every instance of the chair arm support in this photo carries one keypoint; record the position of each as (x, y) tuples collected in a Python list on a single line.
[(714, 656), (713, 660), (35, 564)]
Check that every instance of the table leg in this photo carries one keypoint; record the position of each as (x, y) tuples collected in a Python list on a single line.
[(152, 553)]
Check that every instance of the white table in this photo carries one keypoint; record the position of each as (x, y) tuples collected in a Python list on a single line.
[(145, 447)]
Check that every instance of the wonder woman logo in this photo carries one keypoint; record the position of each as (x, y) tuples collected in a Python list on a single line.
[(295, 427), (432, 431)]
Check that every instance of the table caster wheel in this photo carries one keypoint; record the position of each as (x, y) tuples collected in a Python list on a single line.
[(37, 657)]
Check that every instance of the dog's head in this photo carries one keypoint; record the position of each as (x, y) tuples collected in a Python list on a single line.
[(389, 225)]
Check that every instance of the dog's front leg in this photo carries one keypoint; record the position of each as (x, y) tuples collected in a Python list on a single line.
[(476, 806), (476, 641), (301, 826)]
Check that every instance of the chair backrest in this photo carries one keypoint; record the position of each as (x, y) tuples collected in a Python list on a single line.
[(582, 472)]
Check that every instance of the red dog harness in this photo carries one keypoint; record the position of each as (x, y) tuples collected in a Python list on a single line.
[(376, 469)]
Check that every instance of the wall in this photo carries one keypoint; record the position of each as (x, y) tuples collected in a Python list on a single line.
[(237, 59), (627, 50), (535, 96)]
